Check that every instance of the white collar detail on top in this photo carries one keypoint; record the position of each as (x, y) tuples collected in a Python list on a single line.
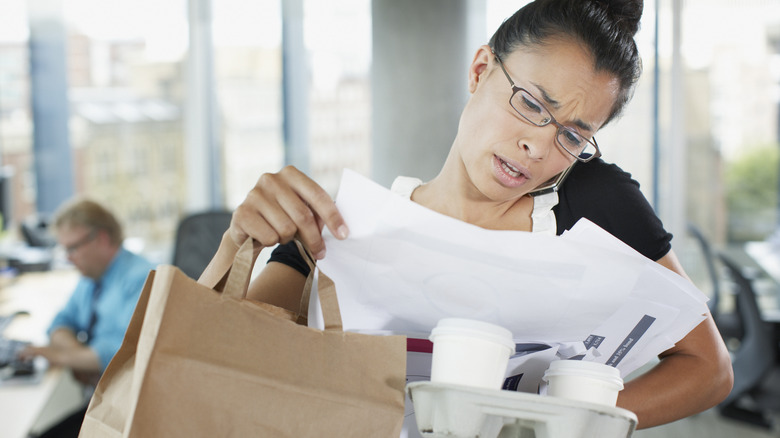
[(542, 217)]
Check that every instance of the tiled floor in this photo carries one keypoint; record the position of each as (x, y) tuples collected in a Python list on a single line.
[(710, 424)]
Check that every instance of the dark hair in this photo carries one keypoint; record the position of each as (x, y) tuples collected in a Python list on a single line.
[(606, 27)]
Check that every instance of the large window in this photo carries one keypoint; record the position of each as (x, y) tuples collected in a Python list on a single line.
[(337, 36), (125, 76), (129, 100), (127, 72), (15, 122), (732, 99), (248, 74)]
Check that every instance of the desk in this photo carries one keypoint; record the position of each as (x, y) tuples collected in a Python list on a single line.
[(767, 256), (41, 294)]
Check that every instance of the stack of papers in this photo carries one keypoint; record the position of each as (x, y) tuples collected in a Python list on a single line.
[(584, 294)]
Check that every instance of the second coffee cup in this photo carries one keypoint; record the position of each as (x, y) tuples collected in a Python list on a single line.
[(584, 381)]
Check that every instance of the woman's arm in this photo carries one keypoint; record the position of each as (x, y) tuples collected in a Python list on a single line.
[(693, 376), (65, 350), (278, 284)]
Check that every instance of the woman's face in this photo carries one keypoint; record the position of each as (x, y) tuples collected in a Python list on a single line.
[(505, 156)]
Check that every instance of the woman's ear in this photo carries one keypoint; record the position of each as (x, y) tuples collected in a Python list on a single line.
[(479, 66)]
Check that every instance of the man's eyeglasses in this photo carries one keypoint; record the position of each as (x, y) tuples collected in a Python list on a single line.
[(529, 107), (70, 249)]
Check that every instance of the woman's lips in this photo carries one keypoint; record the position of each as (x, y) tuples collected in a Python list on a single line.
[(511, 170), (510, 175)]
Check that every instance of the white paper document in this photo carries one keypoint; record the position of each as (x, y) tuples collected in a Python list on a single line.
[(585, 294)]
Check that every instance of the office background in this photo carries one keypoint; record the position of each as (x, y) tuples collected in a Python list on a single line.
[(161, 109), (165, 108)]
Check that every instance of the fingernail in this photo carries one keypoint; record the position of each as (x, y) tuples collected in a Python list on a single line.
[(342, 232), (320, 255)]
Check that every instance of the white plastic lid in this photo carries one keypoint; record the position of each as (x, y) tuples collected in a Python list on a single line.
[(473, 328), (586, 369)]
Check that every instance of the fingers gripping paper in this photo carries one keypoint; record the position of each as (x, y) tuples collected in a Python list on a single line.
[(195, 362)]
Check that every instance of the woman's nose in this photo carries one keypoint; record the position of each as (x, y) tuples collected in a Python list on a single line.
[(535, 150), (538, 145)]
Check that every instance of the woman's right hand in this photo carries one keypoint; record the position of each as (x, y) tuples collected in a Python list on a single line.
[(286, 205)]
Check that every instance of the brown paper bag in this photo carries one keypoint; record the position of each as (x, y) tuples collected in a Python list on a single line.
[(195, 362)]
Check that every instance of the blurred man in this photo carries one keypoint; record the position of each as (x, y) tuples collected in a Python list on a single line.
[(88, 331)]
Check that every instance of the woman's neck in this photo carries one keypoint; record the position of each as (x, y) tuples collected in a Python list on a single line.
[(454, 196)]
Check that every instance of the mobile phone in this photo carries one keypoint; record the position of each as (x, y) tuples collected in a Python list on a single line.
[(554, 183)]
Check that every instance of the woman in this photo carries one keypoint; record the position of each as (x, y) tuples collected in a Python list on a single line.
[(552, 75)]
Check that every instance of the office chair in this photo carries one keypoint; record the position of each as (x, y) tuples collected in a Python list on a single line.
[(754, 359), (197, 238), (728, 324), (36, 233)]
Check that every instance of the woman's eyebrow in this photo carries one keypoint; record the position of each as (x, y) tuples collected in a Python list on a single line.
[(557, 105), (582, 125), (546, 97)]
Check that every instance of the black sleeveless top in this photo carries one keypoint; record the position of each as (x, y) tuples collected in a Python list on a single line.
[(610, 198)]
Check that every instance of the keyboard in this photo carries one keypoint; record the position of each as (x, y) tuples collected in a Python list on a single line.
[(10, 363)]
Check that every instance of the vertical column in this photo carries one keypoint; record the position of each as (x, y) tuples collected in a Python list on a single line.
[(421, 53), (49, 91), (203, 152), (656, 172), (774, 37), (674, 216), (295, 86)]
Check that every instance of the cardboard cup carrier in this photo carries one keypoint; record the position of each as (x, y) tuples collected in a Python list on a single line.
[(584, 381), (470, 353)]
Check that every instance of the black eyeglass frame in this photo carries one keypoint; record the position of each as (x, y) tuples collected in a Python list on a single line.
[(89, 237), (516, 89)]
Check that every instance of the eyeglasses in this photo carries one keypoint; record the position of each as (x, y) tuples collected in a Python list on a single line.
[(529, 107), (70, 249)]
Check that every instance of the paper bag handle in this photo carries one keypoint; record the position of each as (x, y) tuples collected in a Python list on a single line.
[(303, 312), (326, 290), (241, 272)]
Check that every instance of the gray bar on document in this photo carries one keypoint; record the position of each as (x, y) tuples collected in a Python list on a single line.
[(631, 340)]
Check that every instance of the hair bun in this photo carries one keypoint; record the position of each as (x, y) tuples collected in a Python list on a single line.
[(626, 13)]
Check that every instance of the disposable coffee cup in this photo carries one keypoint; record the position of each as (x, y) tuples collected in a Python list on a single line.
[(584, 381), (470, 353)]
